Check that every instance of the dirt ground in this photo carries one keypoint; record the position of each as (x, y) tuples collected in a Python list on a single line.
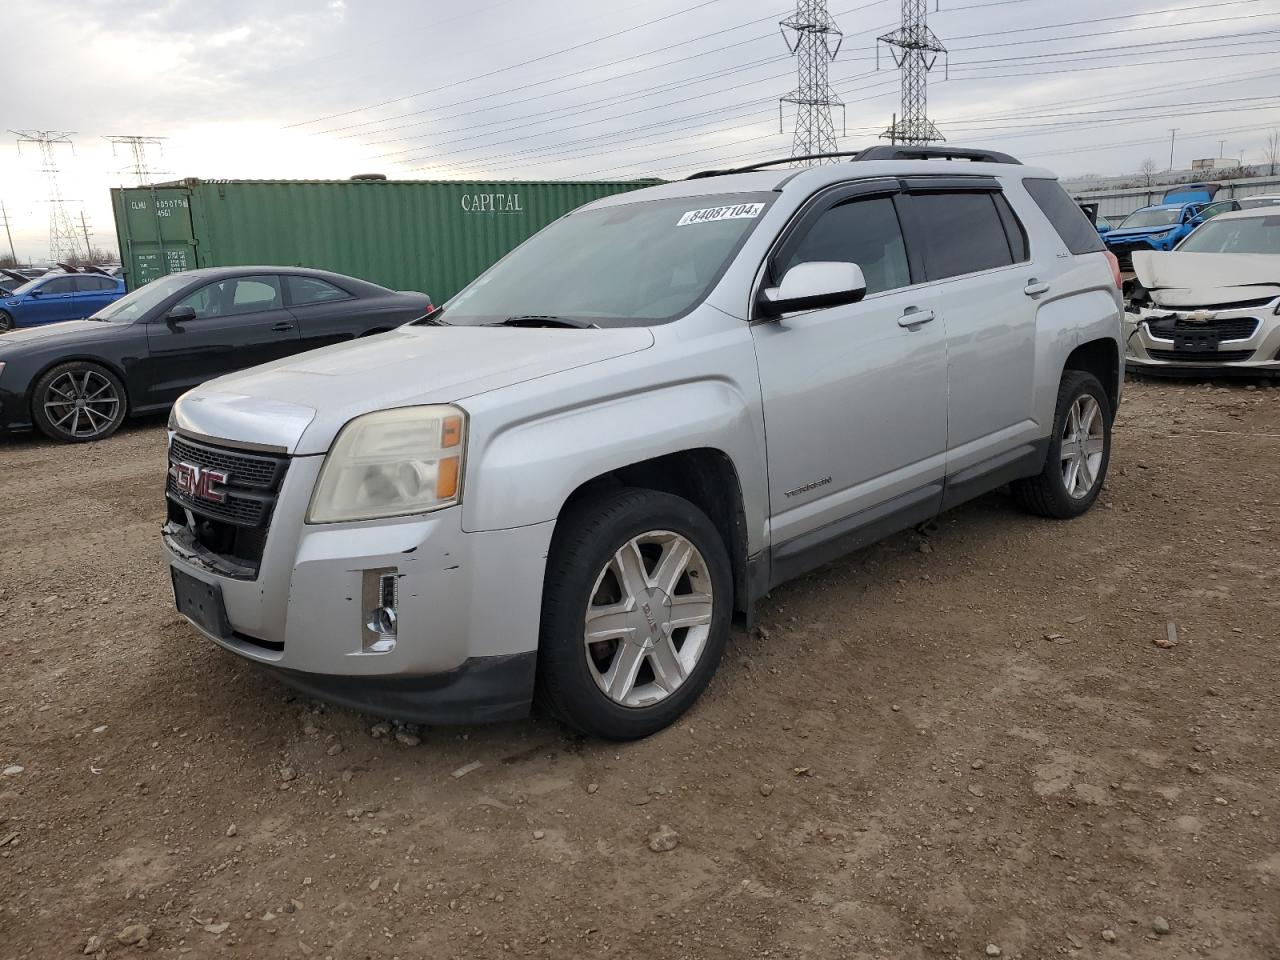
[(935, 748)]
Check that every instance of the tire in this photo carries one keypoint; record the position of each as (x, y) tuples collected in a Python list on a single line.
[(1048, 494), (79, 402), (6, 321), (654, 667)]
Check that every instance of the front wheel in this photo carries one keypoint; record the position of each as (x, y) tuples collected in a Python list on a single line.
[(6, 321), (1079, 451), (78, 402), (635, 613)]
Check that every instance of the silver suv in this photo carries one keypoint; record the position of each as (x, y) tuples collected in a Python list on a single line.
[(564, 483)]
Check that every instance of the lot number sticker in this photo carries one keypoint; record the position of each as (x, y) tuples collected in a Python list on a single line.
[(743, 211)]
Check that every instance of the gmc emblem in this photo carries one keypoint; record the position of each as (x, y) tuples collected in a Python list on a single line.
[(198, 482)]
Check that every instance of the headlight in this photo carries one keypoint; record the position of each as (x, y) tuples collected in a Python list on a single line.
[(392, 463)]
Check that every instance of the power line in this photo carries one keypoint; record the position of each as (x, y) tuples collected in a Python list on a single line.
[(514, 66)]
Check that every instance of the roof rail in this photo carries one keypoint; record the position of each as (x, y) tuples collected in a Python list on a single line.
[(880, 152), (884, 152), (851, 154)]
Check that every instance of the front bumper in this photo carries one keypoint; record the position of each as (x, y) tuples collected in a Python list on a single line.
[(1236, 351), (1124, 248), (467, 611)]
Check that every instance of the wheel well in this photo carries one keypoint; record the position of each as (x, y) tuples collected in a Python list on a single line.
[(1102, 359), (706, 478)]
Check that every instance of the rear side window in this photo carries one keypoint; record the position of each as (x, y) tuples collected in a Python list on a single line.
[(305, 290), (963, 233), (1067, 218), (94, 284)]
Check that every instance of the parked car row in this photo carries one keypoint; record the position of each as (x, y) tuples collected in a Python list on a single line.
[(134, 354)]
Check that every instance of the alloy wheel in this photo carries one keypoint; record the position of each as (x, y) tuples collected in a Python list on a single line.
[(648, 619), (1083, 444), (82, 403)]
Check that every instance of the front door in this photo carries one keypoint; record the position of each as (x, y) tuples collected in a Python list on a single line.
[(52, 301), (240, 322), (855, 397)]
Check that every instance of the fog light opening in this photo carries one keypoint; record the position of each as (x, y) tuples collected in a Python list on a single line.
[(381, 619)]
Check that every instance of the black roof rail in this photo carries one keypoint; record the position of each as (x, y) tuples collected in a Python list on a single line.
[(880, 152), (851, 154), (890, 152)]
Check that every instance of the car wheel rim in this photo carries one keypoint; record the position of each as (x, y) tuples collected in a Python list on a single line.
[(82, 404), (648, 618), (1083, 443)]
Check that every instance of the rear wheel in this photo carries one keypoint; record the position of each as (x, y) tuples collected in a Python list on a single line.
[(635, 613), (78, 402), (6, 321), (1079, 451)]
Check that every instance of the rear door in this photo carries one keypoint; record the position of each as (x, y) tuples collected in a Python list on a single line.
[(93, 293), (977, 261), (52, 301), (240, 322)]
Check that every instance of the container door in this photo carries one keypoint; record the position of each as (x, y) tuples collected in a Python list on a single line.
[(158, 238)]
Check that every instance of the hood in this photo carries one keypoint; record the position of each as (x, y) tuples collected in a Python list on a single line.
[(298, 405), (1207, 279), (1117, 232), (67, 332)]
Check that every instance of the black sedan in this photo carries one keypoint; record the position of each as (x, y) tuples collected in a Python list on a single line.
[(77, 381)]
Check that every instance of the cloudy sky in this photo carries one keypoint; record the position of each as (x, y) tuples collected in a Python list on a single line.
[(559, 89)]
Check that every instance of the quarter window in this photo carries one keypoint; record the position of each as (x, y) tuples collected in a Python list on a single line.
[(306, 290), (865, 232), (235, 296), (963, 233), (1065, 215)]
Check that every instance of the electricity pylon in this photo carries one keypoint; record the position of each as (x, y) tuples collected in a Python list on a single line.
[(64, 243), (915, 49), (817, 41)]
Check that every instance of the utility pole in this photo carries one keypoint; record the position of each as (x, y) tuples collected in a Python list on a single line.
[(1222, 149), (1173, 133), (63, 241), (138, 148), (915, 50), (7, 232), (816, 42), (88, 247)]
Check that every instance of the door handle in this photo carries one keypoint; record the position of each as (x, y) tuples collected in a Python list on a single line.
[(282, 326), (1035, 288), (914, 316)]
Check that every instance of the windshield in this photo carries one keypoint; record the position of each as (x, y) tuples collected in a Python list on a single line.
[(1236, 235), (633, 264), (24, 288), (133, 305), (1151, 218)]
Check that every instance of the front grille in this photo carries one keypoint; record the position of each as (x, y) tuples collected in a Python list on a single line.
[(1124, 253), (1221, 328), (1200, 356), (234, 528)]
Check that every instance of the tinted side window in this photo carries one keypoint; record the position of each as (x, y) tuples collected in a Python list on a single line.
[(865, 232), (1067, 218), (93, 284), (963, 233), (1014, 231), (60, 285), (229, 298), (305, 290)]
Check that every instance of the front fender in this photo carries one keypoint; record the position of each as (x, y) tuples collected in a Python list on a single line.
[(525, 471)]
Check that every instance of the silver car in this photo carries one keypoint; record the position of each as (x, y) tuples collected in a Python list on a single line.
[(563, 484), (1212, 305)]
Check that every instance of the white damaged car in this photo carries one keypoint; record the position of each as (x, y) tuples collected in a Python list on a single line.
[(1212, 305)]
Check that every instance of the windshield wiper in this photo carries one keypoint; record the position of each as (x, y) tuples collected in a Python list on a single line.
[(432, 317), (542, 320)]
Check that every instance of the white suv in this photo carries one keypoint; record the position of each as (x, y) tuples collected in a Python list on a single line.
[(565, 482)]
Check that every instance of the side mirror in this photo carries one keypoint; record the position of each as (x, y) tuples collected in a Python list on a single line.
[(812, 286), (37, 292), (180, 314), (1196, 221)]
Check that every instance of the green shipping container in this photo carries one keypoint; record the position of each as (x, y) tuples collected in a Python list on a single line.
[(431, 236)]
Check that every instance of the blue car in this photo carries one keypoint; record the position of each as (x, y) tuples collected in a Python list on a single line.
[(58, 296), (1162, 226)]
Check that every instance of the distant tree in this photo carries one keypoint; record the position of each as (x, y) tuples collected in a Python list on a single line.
[(8, 262), (1148, 170), (1272, 152), (97, 257)]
